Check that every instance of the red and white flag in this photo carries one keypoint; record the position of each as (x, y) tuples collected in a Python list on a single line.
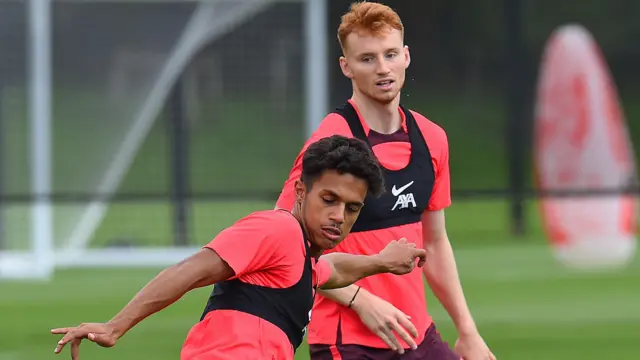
[(581, 143)]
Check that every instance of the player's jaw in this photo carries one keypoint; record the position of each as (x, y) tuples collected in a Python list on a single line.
[(385, 90)]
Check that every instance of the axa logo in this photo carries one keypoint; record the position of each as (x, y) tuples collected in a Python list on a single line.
[(403, 200)]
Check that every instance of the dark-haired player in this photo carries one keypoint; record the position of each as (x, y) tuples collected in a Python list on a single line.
[(267, 265)]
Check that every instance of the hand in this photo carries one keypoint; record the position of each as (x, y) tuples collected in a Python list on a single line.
[(399, 256), (383, 319), (472, 347), (104, 335)]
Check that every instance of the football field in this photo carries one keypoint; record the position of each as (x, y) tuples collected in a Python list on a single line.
[(526, 305)]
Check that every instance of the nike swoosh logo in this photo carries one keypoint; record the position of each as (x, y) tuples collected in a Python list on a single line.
[(399, 191)]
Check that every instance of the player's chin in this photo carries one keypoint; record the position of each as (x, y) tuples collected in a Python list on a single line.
[(328, 244), (385, 97)]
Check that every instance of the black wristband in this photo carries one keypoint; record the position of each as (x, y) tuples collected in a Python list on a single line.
[(353, 298)]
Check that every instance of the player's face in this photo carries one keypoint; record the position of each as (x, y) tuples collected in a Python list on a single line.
[(331, 207), (376, 64)]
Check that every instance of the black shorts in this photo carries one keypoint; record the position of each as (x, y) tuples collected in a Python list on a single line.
[(431, 348)]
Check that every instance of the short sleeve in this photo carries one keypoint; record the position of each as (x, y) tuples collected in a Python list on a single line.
[(322, 272), (249, 245), (441, 193), (333, 124)]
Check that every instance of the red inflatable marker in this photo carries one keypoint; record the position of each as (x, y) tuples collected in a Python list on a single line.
[(581, 142)]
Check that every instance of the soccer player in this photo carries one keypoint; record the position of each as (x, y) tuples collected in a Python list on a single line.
[(266, 266), (381, 316)]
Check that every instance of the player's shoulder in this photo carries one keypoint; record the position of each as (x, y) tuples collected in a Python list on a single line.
[(332, 124), (275, 222), (433, 133), (427, 126)]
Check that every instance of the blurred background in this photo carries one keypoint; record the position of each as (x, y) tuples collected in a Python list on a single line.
[(159, 123)]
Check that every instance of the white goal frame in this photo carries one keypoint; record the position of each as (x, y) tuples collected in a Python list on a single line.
[(40, 261)]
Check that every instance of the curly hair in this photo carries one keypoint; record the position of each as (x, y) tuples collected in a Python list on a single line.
[(346, 156)]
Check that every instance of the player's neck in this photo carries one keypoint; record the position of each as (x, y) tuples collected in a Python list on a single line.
[(382, 118), (297, 213)]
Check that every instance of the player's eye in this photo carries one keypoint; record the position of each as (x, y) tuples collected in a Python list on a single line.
[(353, 209), (391, 55), (328, 200)]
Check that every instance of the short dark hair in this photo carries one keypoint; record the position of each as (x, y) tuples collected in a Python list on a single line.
[(346, 156)]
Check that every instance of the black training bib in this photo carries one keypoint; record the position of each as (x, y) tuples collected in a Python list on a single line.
[(288, 308), (408, 189)]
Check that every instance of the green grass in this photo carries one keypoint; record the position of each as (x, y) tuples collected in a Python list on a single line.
[(526, 305)]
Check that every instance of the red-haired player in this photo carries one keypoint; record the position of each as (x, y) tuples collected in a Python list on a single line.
[(361, 321)]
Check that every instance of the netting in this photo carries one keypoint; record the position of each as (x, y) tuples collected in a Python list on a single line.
[(115, 68)]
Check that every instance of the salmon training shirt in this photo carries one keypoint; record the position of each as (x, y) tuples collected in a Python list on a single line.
[(416, 163), (265, 306)]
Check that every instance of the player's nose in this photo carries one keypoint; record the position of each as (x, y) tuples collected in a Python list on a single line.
[(382, 68), (337, 216)]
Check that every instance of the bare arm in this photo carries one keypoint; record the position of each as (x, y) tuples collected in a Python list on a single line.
[(442, 273), (346, 269), (379, 316), (201, 269), (340, 295), (398, 257)]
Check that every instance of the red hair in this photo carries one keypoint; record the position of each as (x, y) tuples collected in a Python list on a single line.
[(369, 18)]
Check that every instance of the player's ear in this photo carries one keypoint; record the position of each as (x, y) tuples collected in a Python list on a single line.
[(344, 66), (301, 190), (407, 56)]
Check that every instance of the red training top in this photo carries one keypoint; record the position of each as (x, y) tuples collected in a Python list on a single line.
[(407, 292), (267, 249)]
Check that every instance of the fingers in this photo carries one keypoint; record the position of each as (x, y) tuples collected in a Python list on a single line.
[(400, 326), (71, 334), (384, 337), (386, 329), (491, 356), (408, 325), (75, 349), (404, 335), (422, 255)]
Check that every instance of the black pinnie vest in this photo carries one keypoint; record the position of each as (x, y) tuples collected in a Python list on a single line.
[(408, 190), (289, 308)]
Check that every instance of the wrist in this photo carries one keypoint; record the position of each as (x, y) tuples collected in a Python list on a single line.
[(466, 327), (380, 265), (359, 300), (118, 327)]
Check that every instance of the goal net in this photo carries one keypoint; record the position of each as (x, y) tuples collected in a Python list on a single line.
[(85, 92)]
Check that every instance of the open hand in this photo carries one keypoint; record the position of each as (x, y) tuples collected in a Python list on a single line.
[(101, 334), (386, 321), (400, 256)]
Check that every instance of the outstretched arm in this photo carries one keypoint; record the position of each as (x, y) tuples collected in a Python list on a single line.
[(201, 269), (347, 269), (398, 257)]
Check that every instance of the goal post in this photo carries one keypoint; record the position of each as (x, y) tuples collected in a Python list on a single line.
[(38, 263), (60, 234), (203, 27)]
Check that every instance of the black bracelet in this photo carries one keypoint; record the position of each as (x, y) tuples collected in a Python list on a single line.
[(353, 298)]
